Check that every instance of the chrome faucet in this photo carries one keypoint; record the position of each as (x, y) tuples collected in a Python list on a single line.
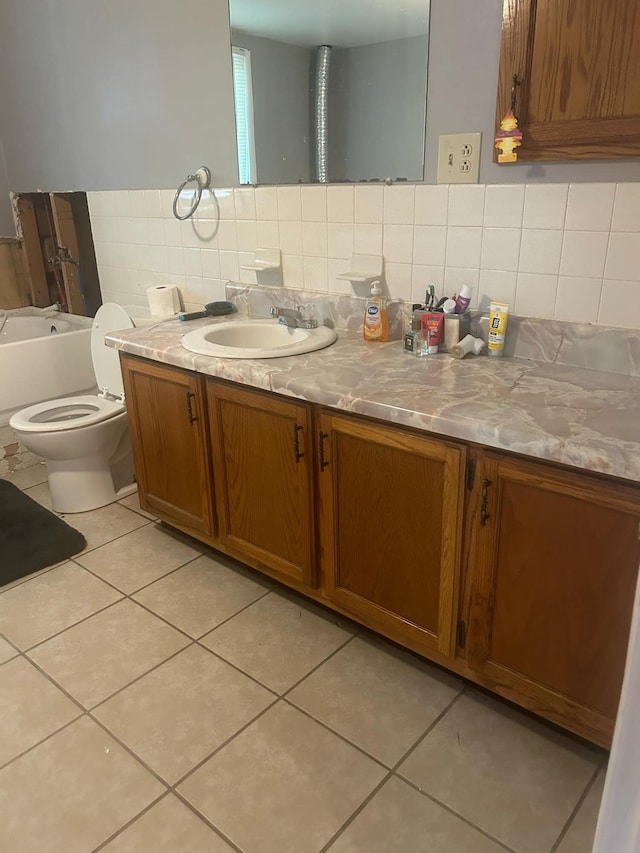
[(296, 318)]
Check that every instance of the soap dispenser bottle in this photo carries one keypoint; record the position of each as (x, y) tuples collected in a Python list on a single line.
[(376, 318)]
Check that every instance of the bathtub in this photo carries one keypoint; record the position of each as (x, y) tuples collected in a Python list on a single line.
[(43, 354)]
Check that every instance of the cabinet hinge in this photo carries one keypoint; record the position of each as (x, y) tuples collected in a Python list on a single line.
[(471, 473), (461, 635)]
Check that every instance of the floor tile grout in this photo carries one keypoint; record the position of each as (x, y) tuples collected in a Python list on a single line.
[(129, 823), (577, 807)]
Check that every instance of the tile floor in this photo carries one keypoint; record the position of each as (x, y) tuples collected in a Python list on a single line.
[(157, 698)]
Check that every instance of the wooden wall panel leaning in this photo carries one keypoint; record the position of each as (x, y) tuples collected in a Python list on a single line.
[(578, 67)]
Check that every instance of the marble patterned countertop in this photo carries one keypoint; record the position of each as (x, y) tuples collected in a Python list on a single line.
[(585, 418)]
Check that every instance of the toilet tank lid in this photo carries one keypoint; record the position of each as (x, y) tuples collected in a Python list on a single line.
[(110, 317)]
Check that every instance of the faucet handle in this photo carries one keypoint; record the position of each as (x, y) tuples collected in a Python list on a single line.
[(273, 311)]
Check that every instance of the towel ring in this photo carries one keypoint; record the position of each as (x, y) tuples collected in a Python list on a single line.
[(203, 180)]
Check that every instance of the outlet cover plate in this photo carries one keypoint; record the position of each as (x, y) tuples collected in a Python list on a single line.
[(459, 158)]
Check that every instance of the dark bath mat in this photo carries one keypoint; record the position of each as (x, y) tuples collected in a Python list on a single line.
[(31, 537)]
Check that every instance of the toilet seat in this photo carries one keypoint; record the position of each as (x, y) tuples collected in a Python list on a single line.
[(67, 413)]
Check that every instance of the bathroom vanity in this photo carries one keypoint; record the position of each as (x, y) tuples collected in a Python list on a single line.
[(480, 513)]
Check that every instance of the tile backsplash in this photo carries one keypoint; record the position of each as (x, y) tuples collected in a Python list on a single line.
[(563, 251)]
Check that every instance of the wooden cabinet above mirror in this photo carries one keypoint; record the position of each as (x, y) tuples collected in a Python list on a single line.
[(578, 68)]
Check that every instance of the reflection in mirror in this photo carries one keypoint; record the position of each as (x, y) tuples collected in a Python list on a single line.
[(355, 112)]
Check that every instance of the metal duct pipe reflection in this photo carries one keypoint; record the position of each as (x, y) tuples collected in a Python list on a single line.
[(323, 65)]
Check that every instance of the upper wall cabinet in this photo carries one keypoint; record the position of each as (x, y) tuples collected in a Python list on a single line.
[(578, 67)]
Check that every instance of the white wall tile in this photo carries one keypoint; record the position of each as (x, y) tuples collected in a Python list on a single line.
[(247, 234), (623, 256), (210, 263), (225, 204), (421, 276), (397, 243), (314, 204), (536, 294), (545, 205), (367, 239), (152, 203), (166, 203), (210, 206), (293, 271), (369, 204), (267, 234), (267, 203), (503, 206), (431, 204), (155, 232), (399, 203), (578, 299), (500, 248), (246, 276), (245, 202), (192, 262), (455, 278), (496, 285), (335, 266), (314, 239), (171, 231), (137, 205), (229, 267), (340, 237), (175, 259), (463, 246), (291, 238), (398, 279), (584, 253), (540, 251), (315, 273), (213, 290), (227, 237), (340, 203), (121, 206), (429, 244), (192, 290), (589, 207), (190, 236), (620, 304), (466, 204), (626, 210)]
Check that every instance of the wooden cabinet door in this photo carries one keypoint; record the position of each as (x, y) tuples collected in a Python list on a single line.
[(262, 462), (554, 560), (391, 510), (167, 417), (578, 67)]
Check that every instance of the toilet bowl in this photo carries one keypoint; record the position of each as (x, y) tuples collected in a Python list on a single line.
[(85, 439)]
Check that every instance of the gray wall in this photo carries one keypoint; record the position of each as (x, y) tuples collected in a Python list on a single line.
[(464, 51), (280, 79), (117, 94), (7, 227), (113, 94), (377, 110)]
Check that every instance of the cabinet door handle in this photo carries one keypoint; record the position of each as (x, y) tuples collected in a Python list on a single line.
[(296, 442), (192, 418), (323, 462), (484, 515)]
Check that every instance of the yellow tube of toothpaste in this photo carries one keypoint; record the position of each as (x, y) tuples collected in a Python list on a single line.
[(498, 316)]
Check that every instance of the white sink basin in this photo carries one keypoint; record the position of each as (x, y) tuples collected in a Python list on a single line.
[(256, 339)]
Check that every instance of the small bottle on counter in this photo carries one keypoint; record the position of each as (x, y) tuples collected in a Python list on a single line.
[(376, 318), (463, 299), (414, 325)]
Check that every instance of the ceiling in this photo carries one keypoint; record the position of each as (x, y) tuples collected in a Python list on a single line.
[(340, 23)]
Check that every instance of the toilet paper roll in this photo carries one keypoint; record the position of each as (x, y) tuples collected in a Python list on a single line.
[(163, 299)]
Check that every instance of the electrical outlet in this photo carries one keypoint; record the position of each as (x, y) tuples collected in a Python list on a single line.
[(459, 158)]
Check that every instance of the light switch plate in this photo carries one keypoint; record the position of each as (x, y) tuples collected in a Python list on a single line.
[(459, 158)]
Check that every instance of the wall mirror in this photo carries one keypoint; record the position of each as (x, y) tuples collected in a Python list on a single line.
[(330, 91)]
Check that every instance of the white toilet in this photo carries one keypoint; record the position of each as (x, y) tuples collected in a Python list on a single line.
[(85, 439)]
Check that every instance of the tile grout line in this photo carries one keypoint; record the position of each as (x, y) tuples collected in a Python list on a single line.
[(454, 813), (144, 811), (387, 776), (577, 807)]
